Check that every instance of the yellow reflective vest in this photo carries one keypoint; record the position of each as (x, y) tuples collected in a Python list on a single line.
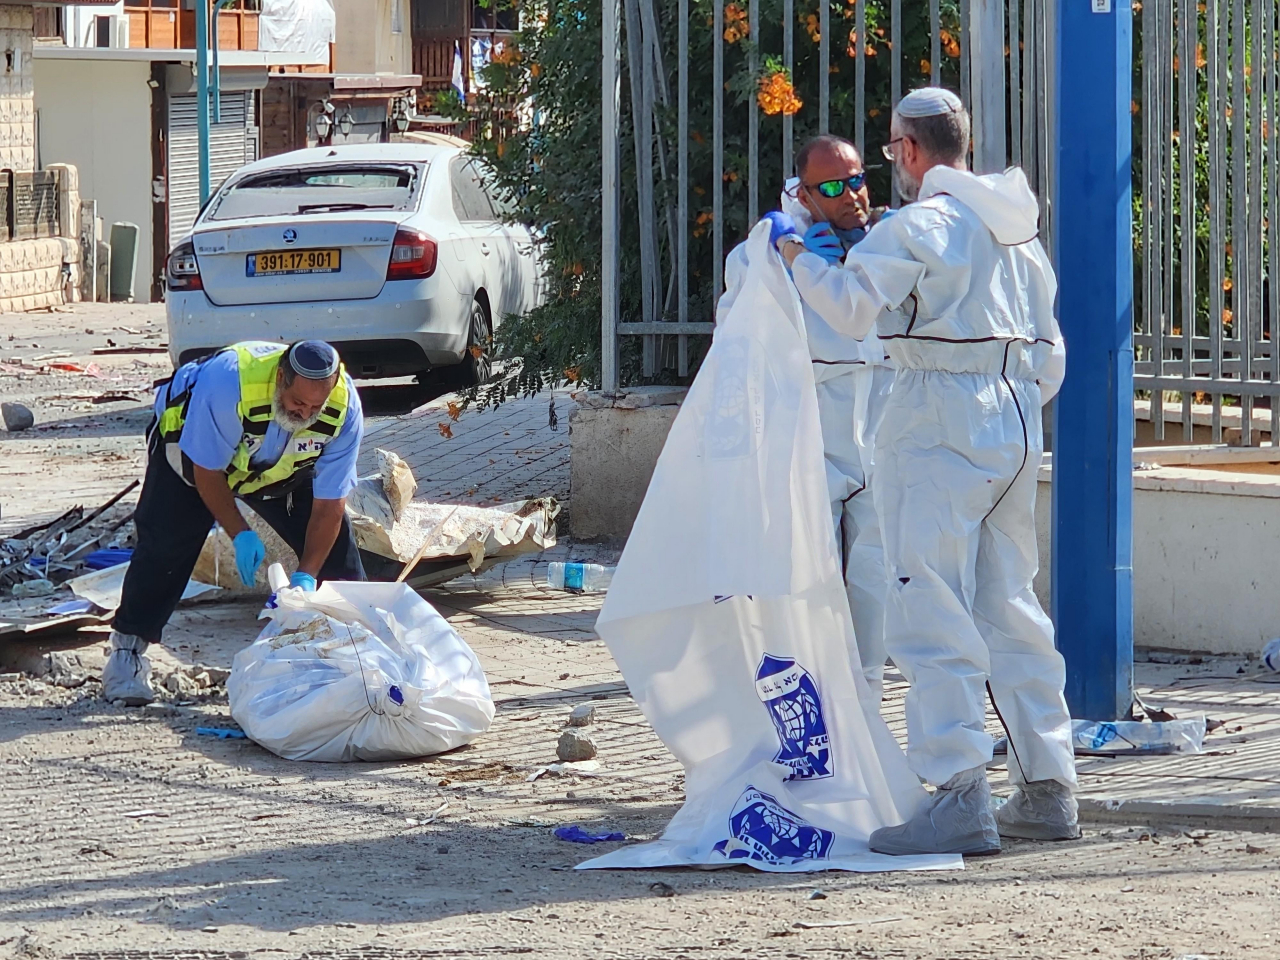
[(259, 362)]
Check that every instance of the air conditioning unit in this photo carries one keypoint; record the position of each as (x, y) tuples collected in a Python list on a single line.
[(111, 31)]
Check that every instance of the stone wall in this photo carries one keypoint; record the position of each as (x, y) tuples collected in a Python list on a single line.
[(614, 445), (17, 89)]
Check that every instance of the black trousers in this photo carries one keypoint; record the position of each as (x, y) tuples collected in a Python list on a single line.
[(173, 522)]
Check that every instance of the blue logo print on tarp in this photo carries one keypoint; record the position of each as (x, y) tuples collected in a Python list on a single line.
[(762, 829), (792, 697)]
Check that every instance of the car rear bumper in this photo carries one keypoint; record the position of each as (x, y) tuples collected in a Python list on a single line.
[(404, 330)]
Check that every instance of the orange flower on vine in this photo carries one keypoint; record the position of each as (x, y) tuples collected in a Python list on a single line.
[(736, 25), (777, 93)]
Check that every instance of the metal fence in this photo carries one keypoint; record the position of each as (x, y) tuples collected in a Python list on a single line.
[(1207, 215), (1005, 71)]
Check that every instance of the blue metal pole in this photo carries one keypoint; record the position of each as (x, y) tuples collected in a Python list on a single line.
[(1093, 433), (202, 95)]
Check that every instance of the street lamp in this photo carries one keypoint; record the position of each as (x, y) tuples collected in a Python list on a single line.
[(400, 115), (324, 121), (345, 123)]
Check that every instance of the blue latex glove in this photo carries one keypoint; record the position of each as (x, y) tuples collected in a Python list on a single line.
[(821, 240), (304, 580), (249, 555), (780, 225)]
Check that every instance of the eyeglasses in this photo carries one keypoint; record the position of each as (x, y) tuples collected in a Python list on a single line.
[(889, 153), (835, 188)]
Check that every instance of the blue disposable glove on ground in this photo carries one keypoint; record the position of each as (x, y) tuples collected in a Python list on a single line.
[(304, 580), (249, 555), (780, 225), (820, 240)]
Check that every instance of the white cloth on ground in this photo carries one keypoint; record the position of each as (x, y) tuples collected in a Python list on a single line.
[(978, 352), (728, 619)]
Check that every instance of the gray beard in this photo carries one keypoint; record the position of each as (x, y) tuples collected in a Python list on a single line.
[(284, 419), (908, 189)]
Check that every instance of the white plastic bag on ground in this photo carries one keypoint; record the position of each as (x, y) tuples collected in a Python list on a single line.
[(358, 671), (728, 617)]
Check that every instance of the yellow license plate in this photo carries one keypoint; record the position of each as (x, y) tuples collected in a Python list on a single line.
[(283, 262)]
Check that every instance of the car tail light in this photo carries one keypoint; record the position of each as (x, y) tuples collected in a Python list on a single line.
[(413, 256), (182, 269)]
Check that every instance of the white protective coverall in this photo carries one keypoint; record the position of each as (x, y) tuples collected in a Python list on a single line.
[(962, 294), (852, 379), (727, 616)]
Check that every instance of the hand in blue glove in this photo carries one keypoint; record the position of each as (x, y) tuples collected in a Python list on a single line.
[(821, 240), (249, 555), (304, 580), (780, 225)]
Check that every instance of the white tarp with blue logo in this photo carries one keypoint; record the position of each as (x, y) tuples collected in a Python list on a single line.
[(728, 618)]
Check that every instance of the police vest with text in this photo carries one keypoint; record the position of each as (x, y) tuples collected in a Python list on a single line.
[(259, 363)]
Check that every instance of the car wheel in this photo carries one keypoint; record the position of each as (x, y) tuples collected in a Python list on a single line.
[(478, 363)]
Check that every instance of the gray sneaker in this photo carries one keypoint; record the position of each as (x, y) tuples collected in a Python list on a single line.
[(127, 674), (1040, 810), (958, 819)]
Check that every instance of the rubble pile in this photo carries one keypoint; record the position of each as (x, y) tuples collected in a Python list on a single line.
[(65, 547)]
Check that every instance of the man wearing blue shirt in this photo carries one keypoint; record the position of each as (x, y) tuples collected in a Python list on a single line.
[(278, 427)]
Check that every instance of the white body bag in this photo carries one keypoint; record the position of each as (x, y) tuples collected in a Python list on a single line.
[(358, 671), (729, 621)]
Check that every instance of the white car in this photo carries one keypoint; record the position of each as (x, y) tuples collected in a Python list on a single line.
[(395, 253)]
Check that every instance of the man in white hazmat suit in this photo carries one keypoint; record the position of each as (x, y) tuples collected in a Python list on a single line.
[(827, 206), (962, 294)]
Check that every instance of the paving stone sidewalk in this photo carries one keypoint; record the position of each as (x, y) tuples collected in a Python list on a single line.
[(516, 451)]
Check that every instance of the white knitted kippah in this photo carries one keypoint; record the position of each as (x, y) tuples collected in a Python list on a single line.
[(929, 102)]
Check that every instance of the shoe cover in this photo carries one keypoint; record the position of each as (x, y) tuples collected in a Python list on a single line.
[(959, 820), (1040, 810), (127, 674)]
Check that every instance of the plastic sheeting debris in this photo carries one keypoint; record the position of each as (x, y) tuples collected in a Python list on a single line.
[(389, 523), (358, 671), (102, 588)]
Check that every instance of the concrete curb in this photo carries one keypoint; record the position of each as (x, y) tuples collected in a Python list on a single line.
[(1220, 814)]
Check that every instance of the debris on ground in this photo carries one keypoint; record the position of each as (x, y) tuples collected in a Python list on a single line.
[(59, 549), (583, 715), (1126, 737), (102, 588), (222, 733), (574, 746), (575, 834), (17, 417), (389, 523)]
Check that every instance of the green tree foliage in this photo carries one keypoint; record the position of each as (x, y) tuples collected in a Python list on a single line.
[(540, 134)]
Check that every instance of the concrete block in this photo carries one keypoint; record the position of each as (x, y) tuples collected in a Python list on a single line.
[(614, 443)]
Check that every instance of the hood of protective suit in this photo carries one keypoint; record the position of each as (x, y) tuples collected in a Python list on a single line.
[(792, 207), (1003, 201)]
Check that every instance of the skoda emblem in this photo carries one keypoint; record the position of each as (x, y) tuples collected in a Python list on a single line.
[(290, 235)]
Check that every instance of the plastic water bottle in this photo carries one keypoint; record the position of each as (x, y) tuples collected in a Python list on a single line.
[(579, 577), (1132, 736)]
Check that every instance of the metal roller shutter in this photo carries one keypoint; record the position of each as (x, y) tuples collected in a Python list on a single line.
[(231, 145)]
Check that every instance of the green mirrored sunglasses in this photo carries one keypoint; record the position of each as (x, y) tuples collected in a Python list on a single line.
[(834, 188)]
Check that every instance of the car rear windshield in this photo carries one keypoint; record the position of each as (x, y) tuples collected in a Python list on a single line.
[(303, 191)]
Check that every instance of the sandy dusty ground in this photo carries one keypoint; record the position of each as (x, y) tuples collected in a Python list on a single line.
[(123, 829), (124, 833)]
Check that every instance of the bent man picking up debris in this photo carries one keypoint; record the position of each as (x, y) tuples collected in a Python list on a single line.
[(278, 427)]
